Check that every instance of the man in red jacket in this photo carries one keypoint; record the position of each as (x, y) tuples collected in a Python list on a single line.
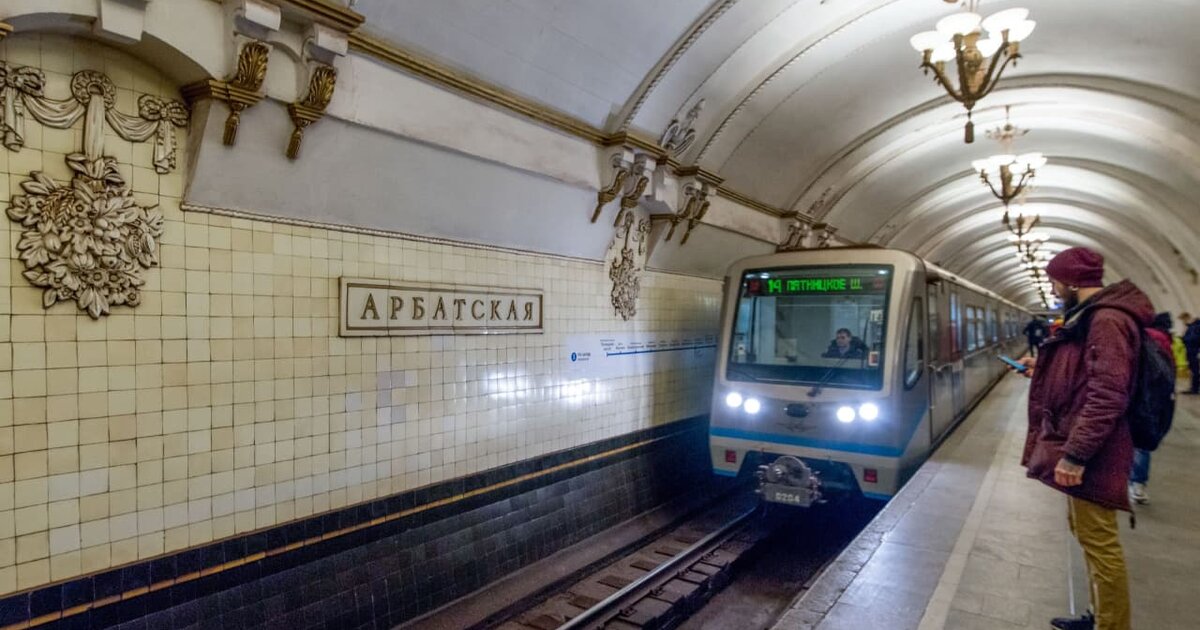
[(1079, 441)]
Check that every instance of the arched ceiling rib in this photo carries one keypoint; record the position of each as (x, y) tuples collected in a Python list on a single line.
[(810, 100), (1091, 113)]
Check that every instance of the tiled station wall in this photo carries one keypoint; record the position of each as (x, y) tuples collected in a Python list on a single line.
[(226, 404)]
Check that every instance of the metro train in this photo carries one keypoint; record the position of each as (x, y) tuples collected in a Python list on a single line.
[(840, 370)]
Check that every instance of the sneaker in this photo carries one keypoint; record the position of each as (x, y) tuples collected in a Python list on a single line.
[(1086, 622), (1137, 492)]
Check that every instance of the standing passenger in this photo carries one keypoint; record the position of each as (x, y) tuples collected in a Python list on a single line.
[(1181, 363), (1079, 441), (1035, 333), (1191, 343)]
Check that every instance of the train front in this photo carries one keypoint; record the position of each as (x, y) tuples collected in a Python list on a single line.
[(802, 390)]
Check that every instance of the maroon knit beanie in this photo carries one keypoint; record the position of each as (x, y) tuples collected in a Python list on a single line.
[(1077, 267)]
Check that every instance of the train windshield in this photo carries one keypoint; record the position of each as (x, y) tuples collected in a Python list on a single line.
[(811, 325)]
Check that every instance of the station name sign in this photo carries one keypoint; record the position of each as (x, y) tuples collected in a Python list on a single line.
[(377, 308)]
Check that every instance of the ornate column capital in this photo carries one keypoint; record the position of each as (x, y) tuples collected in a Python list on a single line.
[(323, 30), (803, 234)]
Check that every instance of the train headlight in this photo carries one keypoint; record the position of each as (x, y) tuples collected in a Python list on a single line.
[(868, 411), (733, 399), (752, 405), (845, 414)]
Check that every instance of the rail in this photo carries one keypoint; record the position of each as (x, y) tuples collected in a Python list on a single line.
[(632, 592)]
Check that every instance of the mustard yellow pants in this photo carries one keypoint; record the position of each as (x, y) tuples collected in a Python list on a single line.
[(1095, 528)]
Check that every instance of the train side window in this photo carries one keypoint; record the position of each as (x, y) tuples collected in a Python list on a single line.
[(970, 320), (935, 333), (914, 346), (993, 330), (955, 325)]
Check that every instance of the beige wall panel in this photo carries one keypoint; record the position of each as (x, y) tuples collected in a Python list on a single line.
[(225, 402)]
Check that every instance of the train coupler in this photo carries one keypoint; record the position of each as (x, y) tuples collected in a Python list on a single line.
[(789, 481)]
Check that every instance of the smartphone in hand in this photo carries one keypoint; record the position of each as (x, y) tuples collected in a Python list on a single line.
[(1019, 367)]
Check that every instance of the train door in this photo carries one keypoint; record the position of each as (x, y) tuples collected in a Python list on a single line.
[(957, 339), (941, 404)]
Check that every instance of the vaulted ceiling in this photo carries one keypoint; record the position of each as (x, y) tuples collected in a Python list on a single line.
[(819, 106)]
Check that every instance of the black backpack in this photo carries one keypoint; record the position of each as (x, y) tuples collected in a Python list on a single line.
[(1152, 402), (1152, 406)]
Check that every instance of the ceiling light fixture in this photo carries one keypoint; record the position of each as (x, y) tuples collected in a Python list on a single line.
[(1013, 173), (979, 62)]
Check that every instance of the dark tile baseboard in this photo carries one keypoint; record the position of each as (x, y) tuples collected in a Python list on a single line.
[(382, 562)]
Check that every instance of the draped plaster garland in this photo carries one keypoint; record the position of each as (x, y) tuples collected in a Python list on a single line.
[(87, 241), (23, 92)]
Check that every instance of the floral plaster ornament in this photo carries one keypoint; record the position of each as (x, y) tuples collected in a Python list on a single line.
[(88, 240)]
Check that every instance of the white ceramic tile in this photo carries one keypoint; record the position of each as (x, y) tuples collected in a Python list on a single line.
[(225, 402)]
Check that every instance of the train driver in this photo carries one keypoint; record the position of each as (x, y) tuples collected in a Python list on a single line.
[(845, 346)]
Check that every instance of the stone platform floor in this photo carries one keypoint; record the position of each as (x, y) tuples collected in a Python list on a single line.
[(972, 544)]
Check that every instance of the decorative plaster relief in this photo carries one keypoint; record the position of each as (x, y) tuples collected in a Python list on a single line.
[(241, 91), (1183, 264), (695, 206), (821, 207), (643, 169), (679, 136), (243, 88), (90, 240), (625, 270), (803, 235), (798, 234), (825, 234), (311, 108), (631, 174), (607, 195)]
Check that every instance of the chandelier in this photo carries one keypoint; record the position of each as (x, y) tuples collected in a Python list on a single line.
[(979, 61), (1013, 173), (1019, 226), (1033, 251)]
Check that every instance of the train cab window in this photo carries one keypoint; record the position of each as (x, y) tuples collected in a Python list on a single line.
[(814, 325), (914, 346)]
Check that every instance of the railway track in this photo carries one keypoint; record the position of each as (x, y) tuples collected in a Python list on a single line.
[(661, 584)]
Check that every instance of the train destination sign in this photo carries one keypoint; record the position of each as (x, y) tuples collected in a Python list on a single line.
[(802, 286), (377, 308)]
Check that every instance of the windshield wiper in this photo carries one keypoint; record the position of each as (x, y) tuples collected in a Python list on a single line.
[(816, 389)]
